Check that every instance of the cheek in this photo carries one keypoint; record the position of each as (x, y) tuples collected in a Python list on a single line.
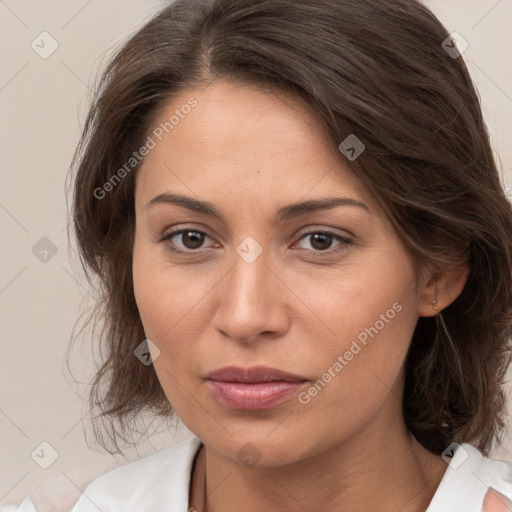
[(377, 293), (168, 309), (171, 300), (166, 305), (368, 313), (160, 293)]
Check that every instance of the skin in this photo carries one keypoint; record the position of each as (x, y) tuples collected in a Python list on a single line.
[(249, 153), (494, 501)]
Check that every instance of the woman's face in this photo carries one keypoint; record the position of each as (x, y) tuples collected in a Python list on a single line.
[(254, 285)]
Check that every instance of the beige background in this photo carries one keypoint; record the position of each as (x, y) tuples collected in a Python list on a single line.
[(43, 104)]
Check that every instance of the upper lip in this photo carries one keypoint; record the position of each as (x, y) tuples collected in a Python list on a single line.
[(252, 375)]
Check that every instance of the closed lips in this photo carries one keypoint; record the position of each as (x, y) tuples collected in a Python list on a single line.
[(253, 375)]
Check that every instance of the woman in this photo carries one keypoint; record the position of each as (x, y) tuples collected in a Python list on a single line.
[(305, 254)]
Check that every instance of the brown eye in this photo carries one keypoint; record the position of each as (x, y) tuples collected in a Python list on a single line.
[(185, 240), (192, 239), (322, 242)]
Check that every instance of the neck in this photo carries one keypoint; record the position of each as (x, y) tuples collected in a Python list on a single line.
[(396, 475)]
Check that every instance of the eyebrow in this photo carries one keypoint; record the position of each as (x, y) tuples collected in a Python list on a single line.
[(287, 212)]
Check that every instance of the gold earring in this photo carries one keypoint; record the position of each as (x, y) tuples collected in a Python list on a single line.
[(434, 302)]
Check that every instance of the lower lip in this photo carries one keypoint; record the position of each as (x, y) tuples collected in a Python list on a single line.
[(252, 397)]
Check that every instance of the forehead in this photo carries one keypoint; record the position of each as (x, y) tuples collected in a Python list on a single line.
[(243, 137)]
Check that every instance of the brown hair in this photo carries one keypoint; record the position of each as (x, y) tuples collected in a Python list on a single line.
[(373, 68)]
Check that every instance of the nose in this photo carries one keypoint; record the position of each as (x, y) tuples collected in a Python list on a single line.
[(252, 301)]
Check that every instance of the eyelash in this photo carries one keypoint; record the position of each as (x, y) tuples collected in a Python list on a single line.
[(318, 253)]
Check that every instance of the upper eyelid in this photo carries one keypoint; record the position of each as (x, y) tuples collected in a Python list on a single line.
[(301, 232)]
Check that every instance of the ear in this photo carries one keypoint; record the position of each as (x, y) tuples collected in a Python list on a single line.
[(443, 287)]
